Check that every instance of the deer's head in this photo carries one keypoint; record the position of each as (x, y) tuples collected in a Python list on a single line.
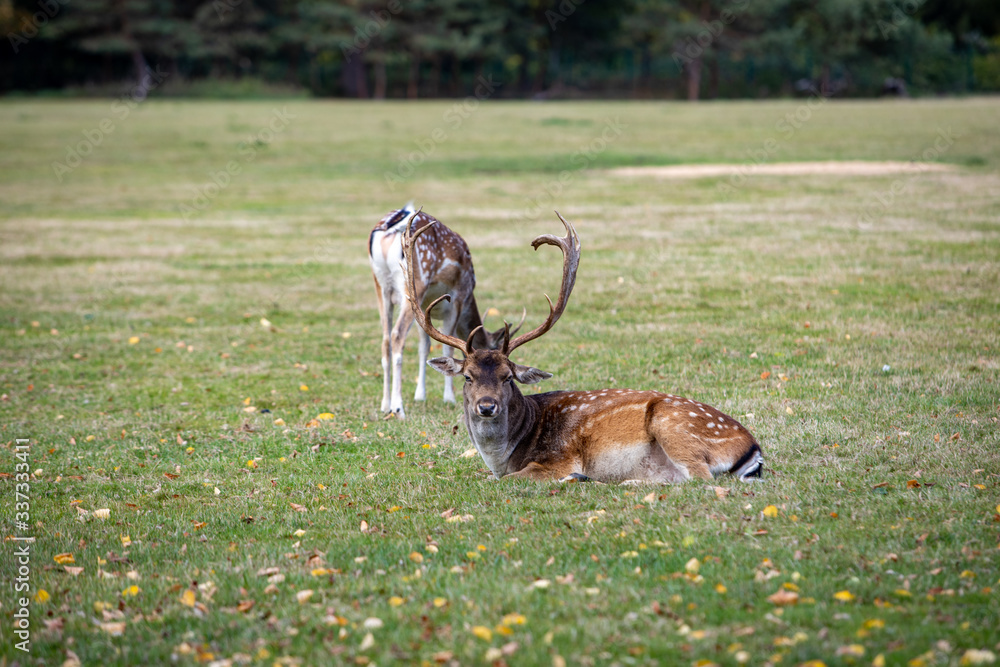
[(491, 378)]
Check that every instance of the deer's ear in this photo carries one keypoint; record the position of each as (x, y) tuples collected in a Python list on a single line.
[(446, 366), (529, 375)]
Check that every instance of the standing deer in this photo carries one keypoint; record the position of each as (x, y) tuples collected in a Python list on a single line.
[(609, 435), (443, 267)]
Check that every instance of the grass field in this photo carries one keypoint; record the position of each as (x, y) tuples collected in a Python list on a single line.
[(169, 346)]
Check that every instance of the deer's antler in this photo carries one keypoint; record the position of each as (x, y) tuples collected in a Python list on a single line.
[(423, 316), (570, 246)]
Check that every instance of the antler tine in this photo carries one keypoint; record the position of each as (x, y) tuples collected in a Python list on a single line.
[(570, 246), (468, 341), (423, 316), (524, 316)]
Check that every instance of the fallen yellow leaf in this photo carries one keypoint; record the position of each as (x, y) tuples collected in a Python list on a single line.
[(114, 629), (482, 632), (770, 511), (396, 601), (64, 559), (188, 598), (42, 596), (783, 597), (975, 656), (843, 596)]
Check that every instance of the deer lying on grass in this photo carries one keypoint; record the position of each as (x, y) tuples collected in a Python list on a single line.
[(609, 435), (444, 268)]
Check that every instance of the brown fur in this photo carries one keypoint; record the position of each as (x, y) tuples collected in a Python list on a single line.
[(610, 435)]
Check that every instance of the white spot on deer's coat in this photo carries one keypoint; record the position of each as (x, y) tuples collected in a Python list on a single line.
[(691, 414), (711, 424)]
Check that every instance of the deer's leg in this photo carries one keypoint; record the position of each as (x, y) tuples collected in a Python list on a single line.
[(385, 317), (424, 349), (399, 332), (547, 473), (700, 470)]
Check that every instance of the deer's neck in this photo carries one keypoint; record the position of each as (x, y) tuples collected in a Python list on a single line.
[(496, 439)]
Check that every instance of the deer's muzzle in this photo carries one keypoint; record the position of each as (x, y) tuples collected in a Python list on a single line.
[(487, 407)]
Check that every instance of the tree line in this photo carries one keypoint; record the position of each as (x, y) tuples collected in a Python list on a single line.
[(532, 48)]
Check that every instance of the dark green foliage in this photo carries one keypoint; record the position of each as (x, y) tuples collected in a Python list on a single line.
[(546, 48)]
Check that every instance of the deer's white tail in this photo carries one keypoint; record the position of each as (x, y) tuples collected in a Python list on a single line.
[(750, 464)]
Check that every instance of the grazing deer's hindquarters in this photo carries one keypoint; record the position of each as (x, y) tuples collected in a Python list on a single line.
[(609, 435), (444, 268)]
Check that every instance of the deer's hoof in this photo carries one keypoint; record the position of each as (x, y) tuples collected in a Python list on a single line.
[(575, 477)]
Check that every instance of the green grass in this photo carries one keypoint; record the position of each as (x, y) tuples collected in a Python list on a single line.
[(133, 346)]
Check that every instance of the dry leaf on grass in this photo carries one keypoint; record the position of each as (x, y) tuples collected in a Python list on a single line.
[(783, 597)]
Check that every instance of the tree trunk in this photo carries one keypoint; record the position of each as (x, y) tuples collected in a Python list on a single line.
[(694, 79), (455, 85), (543, 71), (713, 78), (380, 78), (413, 81), (354, 80), (435, 76), (143, 81)]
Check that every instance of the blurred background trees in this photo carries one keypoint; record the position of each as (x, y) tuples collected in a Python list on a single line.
[(534, 48)]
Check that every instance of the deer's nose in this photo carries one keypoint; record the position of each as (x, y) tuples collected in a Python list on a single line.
[(487, 407)]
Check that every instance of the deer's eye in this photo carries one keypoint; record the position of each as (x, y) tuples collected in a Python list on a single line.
[(467, 378), (509, 378)]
